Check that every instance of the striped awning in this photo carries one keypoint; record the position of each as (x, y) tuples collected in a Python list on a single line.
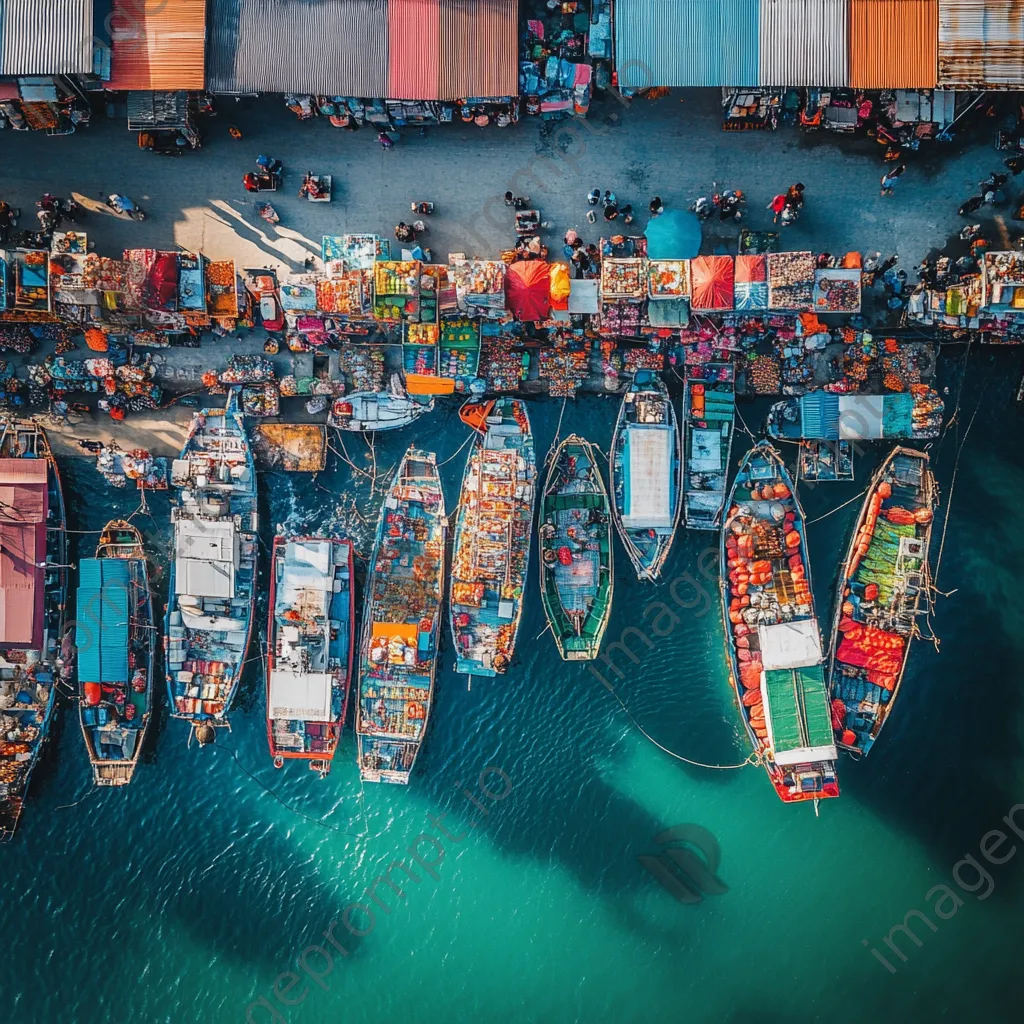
[(159, 46), (46, 37)]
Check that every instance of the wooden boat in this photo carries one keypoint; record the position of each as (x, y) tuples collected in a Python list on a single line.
[(311, 636), (116, 640), (33, 587), (373, 410), (821, 415), (772, 636), (884, 587), (401, 622), (709, 409), (491, 551), (646, 474), (213, 568), (576, 583)]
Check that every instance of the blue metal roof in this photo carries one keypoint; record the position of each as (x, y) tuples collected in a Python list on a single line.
[(103, 615), (696, 43)]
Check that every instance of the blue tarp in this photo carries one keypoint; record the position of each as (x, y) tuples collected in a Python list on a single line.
[(687, 43), (103, 613), (675, 235)]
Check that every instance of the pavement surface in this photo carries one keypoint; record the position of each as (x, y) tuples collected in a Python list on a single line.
[(673, 147)]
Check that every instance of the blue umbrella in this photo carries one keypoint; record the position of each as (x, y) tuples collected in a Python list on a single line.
[(675, 235)]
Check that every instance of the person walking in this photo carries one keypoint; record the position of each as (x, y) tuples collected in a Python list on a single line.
[(777, 205), (594, 196), (657, 207), (610, 199), (6, 220), (889, 179), (611, 211), (795, 196), (627, 213)]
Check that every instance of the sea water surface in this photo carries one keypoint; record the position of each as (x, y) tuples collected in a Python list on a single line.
[(193, 893)]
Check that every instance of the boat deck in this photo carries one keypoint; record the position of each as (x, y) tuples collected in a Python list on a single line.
[(709, 409)]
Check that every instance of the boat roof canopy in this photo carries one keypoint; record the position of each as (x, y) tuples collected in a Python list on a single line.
[(647, 498), (206, 556), (789, 644), (300, 695)]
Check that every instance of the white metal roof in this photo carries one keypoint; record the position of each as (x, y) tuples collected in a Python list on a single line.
[(206, 557), (789, 644)]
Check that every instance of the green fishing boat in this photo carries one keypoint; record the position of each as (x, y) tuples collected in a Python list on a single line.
[(576, 582)]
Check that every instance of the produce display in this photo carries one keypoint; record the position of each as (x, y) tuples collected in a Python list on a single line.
[(837, 291), (790, 280), (623, 279), (668, 279)]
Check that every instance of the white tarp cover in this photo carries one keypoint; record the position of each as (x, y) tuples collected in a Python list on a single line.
[(860, 417), (789, 644), (583, 296), (206, 556), (305, 696), (805, 755), (705, 450), (647, 502)]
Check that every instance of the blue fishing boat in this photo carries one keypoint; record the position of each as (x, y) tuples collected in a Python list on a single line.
[(709, 409), (883, 588), (401, 622), (213, 568), (577, 580), (771, 629), (821, 415), (491, 550), (33, 594), (115, 640), (310, 641), (646, 473)]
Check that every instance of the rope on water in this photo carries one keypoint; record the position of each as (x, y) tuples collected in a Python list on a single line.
[(558, 429), (860, 494), (89, 792), (743, 422), (472, 434), (754, 757)]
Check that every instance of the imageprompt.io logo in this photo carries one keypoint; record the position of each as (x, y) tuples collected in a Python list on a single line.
[(678, 867)]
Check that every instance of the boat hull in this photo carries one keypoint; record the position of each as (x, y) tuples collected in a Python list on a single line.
[(372, 411), (491, 547), (771, 630), (646, 450), (576, 557), (883, 587), (401, 623), (709, 406)]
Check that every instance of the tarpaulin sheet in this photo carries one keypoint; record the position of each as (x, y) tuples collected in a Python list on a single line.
[(711, 283), (647, 498), (528, 289)]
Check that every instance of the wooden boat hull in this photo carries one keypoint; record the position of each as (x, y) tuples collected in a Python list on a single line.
[(373, 411), (491, 548), (121, 540), (576, 557), (401, 623), (205, 649), (25, 440), (646, 441), (883, 587), (709, 405), (771, 630), (316, 745)]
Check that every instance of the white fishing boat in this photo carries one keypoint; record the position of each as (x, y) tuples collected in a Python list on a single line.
[(375, 410)]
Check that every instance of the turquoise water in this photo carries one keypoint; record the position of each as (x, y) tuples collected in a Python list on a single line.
[(189, 894)]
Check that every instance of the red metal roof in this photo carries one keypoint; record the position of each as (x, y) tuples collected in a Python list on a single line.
[(414, 49), (23, 501)]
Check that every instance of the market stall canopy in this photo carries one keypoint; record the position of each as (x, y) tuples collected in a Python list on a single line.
[(675, 235), (159, 46), (46, 37), (399, 49), (711, 283), (528, 289), (165, 110)]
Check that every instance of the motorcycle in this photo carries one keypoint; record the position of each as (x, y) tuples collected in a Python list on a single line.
[(122, 206), (423, 208), (267, 212), (994, 197), (730, 204), (49, 220), (702, 207)]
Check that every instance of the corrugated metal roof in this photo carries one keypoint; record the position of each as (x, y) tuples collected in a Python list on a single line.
[(803, 42), (699, 43), (479, 49), (328, 47), (102, 620), (894, 44), (981, 44), (414, 46), (46, 37), (159, 46)]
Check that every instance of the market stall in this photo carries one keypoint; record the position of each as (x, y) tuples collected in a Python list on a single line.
[(711, 283), (480, 287), (1002, 282), (668, 279), (396, 286), (459, 351), (528, 290), (31, 280), (751, 283), (790, 280), (623, 280), (837, 290), (501, 366), (222, 290), (191, 283), (420, 348)]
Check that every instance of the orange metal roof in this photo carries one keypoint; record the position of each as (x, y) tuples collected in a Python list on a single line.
[(894, 44), (159, 46)]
